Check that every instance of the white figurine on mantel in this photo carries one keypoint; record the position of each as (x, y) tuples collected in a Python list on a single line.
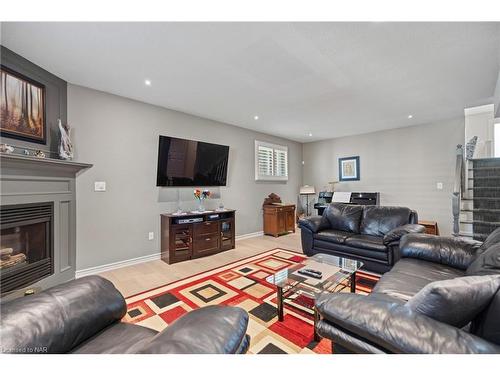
[(65, 145)]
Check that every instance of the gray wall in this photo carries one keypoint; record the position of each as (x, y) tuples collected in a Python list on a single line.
[(120, 137), (55, 99), (403, 164)]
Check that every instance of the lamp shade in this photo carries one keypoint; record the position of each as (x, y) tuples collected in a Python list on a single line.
[(306, 189)]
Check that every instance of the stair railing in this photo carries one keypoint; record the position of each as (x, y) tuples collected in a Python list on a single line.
[(458, 187)]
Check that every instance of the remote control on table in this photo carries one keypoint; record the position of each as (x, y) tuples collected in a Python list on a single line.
[(313, 271), (310, 274)]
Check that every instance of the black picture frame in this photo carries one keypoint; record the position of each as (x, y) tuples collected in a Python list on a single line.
[(19, 135), (355, 176)]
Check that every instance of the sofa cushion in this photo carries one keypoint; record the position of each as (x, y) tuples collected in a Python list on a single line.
[(486, 263), (119, 338), (344, 217), (367, 242), (347, 251), (332, 235), (455, 301), (409, 276), (379, 220)]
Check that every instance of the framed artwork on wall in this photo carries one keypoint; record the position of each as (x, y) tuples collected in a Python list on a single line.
[(22, 107), (349, 169)]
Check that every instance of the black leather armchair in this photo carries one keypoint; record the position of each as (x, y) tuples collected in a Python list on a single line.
[(370, 234), (383, 323), (84, 316)]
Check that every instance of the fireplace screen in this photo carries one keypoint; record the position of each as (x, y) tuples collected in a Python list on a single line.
[(26, 252)]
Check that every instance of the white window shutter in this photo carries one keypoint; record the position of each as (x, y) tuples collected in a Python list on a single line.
[(265, 160), (281, 163), (271, 162)]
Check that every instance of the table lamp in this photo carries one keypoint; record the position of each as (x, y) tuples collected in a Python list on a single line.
[(307, 191)]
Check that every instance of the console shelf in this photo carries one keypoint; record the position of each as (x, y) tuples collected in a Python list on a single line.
[(193, 235)]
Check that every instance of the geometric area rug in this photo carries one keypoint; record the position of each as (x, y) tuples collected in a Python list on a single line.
[(241, 283)]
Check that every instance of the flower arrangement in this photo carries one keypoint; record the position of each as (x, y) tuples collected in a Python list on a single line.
[(200, 195)]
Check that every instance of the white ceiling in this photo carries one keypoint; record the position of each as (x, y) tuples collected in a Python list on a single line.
[(328, 79)]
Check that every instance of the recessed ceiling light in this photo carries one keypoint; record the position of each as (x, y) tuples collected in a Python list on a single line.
[(147, 82), (410, 116), (310, 134), (256, 117)]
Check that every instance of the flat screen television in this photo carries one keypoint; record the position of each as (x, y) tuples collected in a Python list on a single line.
[(183, 162)]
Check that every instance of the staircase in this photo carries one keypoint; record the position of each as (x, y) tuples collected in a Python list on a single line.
[(480, 198)]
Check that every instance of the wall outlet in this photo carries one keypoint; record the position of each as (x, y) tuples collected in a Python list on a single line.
[(151, 235), (439, 186), (99, 186)]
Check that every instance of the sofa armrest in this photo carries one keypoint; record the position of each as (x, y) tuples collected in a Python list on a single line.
[(60, 318), (396, 234), (314, 223), (208, 330), (394, 327), (450, 251)]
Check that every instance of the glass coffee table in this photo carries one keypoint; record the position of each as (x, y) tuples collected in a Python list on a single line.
[(337, 274)]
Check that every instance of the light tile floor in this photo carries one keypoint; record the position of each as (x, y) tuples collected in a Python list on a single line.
[(144, 276)]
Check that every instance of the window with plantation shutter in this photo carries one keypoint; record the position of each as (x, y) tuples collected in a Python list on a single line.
[(280, 163), (271, 162), (265, 160)]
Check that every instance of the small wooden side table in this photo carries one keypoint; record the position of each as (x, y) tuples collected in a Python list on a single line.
[(279, 219), (431, 227)]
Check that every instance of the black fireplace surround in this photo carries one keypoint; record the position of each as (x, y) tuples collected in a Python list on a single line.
[(26, 245)]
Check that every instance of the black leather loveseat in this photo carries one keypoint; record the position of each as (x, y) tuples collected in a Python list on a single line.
[(370, 234), (83, 316), (443, 296)]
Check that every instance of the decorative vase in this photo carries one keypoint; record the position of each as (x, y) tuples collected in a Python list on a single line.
[(200, 196), (65, 144)]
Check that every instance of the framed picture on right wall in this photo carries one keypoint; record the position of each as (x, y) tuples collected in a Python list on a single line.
[(349, 168)]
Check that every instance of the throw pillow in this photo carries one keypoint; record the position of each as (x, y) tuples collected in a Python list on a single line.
[(455, 301), (492, 239), (486, 263)]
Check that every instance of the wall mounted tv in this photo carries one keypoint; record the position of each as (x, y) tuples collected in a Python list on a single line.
[(183, 162)]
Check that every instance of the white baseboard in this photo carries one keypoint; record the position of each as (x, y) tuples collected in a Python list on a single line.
[(249, 235), (115, 265), (146, 258)]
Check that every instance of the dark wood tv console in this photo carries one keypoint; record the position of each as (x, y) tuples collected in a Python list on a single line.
[(212, 233)]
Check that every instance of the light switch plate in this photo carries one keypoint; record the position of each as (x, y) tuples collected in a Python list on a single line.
[(99, 186), (439, 186), (151, 235)]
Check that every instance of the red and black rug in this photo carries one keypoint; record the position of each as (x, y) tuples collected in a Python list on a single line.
[(242, 284)]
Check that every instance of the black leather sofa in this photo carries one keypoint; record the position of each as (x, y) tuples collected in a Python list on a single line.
[(385, 322), (370, 234), (83, 316)]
